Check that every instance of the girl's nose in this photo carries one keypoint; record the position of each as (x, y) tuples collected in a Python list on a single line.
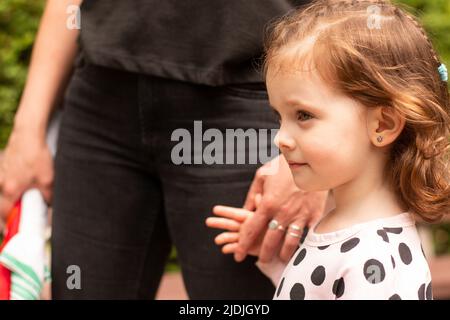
[(284, 141)]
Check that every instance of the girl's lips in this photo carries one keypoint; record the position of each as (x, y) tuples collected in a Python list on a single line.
[(296, 164)]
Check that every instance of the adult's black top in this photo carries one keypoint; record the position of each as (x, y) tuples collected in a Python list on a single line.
[(213, 42)]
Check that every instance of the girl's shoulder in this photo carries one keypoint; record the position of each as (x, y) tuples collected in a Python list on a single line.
[(388, 240), (386, 256), (375, 260), (375, 228)]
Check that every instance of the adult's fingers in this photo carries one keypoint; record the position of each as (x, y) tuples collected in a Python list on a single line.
[(275, 239), (310, 208), (1, 177), (45, 179), (300, 216), (47, 194), (255, 225), (292, 239), (256, 187), (249, 232), (5, 207), (271, 243), (10, 193)]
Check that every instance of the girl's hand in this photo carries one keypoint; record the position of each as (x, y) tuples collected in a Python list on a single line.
[(231, 219)]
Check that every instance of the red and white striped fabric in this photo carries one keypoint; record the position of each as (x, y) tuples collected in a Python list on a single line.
[(23, 268)]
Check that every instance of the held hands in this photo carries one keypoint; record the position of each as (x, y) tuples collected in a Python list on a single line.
[(282, 201), (231, 220)]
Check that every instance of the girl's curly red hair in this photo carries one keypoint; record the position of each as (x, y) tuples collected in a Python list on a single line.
[(380, 55)]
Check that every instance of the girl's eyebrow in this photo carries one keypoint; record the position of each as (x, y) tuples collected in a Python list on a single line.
[(298, 103)]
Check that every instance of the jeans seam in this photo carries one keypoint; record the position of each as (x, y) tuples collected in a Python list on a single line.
[(139, 281), (145, 106), (141, 91), (143, 127)]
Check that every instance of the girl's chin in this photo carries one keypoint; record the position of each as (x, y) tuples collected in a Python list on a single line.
[(309, 186), (302, 184)]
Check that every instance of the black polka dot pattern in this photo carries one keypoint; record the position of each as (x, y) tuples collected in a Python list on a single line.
[(421, 292), (394, 230), (382, 233), (301, 255), (339, 287), (429, 292), (374, 263), (374, 271), (349, 244), (280, 286), (318, 275), (405, 253), (297, 292)]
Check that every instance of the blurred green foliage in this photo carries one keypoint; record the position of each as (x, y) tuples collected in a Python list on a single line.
[(435, 15), (172, 263), (19, 21), (441, 238)]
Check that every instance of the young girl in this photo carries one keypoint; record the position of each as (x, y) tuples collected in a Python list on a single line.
[(364, 112)]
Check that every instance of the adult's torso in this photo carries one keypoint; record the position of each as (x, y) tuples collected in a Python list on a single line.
[(211, 42)]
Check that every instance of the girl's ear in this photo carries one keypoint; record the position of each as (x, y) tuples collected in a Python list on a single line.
[(384, 125)]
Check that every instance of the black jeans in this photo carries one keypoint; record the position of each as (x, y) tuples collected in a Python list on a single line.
[(119, 201)]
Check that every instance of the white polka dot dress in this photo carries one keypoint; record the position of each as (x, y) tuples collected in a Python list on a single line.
[(379, 259)]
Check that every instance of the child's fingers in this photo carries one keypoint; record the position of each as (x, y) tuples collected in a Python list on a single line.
[(223, 223), (226, 237), (229, 248), (237, 214)]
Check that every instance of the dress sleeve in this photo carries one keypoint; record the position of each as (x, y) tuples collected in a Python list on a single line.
[(273, 269)]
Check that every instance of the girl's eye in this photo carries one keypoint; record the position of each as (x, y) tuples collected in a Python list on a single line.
[(304, 116)]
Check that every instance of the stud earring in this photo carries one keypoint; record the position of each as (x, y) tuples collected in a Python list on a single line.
[(379, 139)]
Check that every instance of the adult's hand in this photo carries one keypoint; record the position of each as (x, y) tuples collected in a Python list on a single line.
[(283, 201), (27, 160), (26, 163)]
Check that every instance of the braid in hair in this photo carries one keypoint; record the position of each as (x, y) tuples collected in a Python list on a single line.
[(422, 32)]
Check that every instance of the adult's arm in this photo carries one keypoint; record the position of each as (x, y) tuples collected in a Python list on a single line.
[(27, 161)]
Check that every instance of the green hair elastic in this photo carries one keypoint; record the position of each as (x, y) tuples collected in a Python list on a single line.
[(443, 72)]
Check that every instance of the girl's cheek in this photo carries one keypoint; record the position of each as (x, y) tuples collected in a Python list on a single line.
[(330, 157), (321, 149)]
